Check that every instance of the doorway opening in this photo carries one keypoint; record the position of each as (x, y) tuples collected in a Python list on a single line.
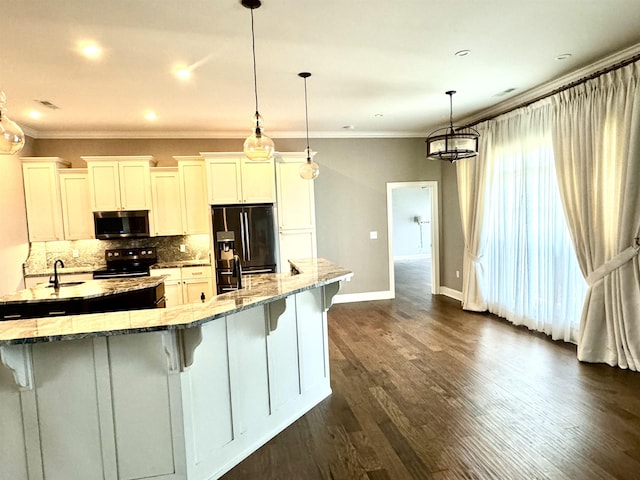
[(412, 216)]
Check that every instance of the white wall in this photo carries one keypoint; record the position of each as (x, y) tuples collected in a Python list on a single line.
[(411, 239), (14, 243)]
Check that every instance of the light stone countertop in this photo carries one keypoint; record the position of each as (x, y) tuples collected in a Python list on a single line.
[(258, 290), (87, 289)]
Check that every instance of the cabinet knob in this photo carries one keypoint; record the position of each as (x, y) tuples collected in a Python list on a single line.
[(202, 297)]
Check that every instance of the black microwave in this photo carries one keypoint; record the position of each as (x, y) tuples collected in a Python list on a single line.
[(121, 224)]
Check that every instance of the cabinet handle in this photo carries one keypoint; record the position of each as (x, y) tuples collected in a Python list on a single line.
[(196, 273), (11, 317), (57, 313)]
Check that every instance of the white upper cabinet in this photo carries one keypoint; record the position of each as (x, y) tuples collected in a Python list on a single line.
[(165, 196), (42, 197), (235, 179), (120, 183), (296, 203), (76, 211), (193, 193)]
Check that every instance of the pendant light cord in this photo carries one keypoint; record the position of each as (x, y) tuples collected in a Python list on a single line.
[(306, 116), (255, 72)]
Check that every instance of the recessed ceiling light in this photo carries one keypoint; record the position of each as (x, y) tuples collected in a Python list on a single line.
[(35, 114), (90, 49), (150, 115), (462, 53), (563, 56), (183, 73), (348, 127), (378, 115)]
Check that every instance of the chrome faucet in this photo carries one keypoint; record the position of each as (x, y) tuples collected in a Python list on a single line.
[(56, 279), (237, 270)]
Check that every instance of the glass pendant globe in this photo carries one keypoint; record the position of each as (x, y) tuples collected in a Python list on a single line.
[(11, 136), (258, 146), (309, 170)]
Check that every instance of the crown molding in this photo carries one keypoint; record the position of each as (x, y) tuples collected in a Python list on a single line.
[(207, 134)]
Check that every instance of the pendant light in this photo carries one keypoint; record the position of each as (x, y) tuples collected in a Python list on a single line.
[(257, 146), (452, 143), (310, 169), (11, 135)]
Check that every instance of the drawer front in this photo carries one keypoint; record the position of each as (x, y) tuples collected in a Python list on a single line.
[(195, 272), (173, 273)]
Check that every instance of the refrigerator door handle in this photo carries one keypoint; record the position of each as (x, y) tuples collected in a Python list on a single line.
[(244, 255), (246, 222)]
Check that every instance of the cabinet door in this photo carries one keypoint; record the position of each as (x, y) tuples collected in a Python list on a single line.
[(193, 191), (76, 211), (258, 181), (167, 208), (192, 290), (225, 184), (296, 244), (134, 185), (104, 186), (296, 205), (172, 284), (173, 293), (42, 197)]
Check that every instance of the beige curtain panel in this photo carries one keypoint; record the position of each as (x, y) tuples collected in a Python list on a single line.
[(597, 155)]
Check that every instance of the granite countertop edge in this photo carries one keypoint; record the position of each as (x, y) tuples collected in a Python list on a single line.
[(265, 288)]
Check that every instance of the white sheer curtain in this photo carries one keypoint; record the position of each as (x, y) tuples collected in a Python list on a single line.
[(532, 276), (471, 175), (597, 150)]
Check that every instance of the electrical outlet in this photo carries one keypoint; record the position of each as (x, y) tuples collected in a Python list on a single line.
[(76, 253), (183, 247), (373, 235), (457, 273)]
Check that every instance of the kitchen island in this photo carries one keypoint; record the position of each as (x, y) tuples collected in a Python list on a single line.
[(90, 296), (184, 392)]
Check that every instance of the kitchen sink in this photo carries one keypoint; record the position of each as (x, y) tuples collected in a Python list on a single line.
[(67, 284)]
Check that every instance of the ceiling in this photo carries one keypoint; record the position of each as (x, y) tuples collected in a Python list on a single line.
[(380, 67)]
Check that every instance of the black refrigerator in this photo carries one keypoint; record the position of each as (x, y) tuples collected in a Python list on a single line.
[(250, 232)]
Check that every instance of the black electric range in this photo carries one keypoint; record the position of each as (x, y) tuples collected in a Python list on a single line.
[(127, 262)]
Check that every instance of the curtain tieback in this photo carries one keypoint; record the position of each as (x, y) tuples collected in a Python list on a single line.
[(473, 257), (613, 264)]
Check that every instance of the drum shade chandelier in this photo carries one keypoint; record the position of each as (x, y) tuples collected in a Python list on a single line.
[(452, 143), (257, 146), (310, 169), (11, 135)]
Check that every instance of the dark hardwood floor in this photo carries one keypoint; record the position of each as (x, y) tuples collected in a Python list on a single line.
[(424, 390)]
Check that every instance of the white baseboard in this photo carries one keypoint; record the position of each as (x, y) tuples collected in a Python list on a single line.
[(412, 257), (363, 297), (450, 292)]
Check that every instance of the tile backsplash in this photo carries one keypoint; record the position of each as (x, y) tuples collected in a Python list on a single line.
[(90, 253)]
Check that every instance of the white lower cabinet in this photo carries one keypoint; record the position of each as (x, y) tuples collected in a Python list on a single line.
[(134, 407), (186, 284)]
